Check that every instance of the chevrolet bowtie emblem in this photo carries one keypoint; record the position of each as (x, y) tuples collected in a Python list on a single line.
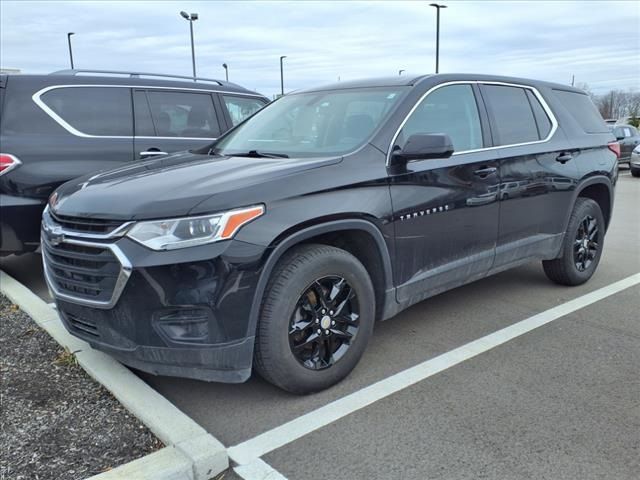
[(56, 237)]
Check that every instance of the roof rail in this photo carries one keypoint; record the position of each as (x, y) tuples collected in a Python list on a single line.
[(141, 74)]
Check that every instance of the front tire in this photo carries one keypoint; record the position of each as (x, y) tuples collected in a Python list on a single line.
[(316, 319), (582, 246)]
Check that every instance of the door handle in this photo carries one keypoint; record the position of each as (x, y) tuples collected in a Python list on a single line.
[(151, 153), (485, 171), (564, 157)]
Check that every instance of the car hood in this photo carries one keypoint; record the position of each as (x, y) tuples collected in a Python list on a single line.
[(175, 185)]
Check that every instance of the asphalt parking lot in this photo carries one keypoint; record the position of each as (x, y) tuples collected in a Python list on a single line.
[(559, 401)]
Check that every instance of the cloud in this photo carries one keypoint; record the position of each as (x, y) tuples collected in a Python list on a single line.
[(598, 42)]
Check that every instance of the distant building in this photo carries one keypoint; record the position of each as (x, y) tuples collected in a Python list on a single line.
[(10, 71)]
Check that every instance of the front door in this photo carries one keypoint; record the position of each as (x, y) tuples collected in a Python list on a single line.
[(445, 210)]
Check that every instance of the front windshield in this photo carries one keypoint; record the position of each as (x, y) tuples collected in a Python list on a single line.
[(313, 124)]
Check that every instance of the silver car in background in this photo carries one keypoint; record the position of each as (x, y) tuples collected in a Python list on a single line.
[(634, 162)]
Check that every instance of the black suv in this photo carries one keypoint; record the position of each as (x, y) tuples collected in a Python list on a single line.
[(280, 244), (60, 126)]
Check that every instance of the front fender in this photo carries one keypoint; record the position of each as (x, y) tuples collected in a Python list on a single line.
[(277, 250)]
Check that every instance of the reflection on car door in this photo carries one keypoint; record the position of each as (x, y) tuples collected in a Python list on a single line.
[(170, 121), (445, 210)]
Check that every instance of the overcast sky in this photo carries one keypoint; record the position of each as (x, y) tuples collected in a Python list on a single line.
[(598, 42)]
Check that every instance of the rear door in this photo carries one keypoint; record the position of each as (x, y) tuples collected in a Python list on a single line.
[(538, 174), (445, 210), (169, 121)]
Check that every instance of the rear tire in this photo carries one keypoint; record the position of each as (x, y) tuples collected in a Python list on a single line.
[(635, 172), (314, 288), (582, 246)]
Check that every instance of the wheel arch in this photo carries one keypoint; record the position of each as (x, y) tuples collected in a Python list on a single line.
[(320, 233), (600, 189)]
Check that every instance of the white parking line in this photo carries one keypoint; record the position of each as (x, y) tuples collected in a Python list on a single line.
[(251, 450), (258, 470)]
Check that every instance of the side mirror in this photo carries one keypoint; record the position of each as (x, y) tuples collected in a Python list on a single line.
[(619, 137), (422, 146)]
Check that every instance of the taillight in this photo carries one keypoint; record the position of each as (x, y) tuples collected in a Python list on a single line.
[(8, 162), (615, 148)]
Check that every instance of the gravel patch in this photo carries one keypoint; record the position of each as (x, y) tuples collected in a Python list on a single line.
[(57, 423)]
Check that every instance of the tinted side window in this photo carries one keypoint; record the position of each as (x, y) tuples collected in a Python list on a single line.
[(240, 108), (93, 110), (451, 110), (143, 125), (513, 119), (542, 120), (583, 111), (181, 114)]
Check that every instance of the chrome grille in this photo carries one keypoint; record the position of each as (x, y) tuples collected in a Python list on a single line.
[(85, 227), (80, 271)]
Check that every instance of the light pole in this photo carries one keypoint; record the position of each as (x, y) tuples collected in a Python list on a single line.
[(282, 75), (70, 52), (437, 7), (226, 71), (191, 18), (400, 72)]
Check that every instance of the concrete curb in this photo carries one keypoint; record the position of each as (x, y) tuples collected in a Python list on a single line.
[(190, 453)]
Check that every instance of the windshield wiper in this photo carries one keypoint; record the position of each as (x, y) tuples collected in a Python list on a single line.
[(257, 154)]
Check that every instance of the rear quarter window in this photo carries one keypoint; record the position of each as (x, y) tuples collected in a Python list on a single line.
[(102, 111), (583, 111)]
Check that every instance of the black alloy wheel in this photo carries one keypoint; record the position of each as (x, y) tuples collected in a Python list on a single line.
[(316, 318), (585, 246), (324, 323), (582, 245)]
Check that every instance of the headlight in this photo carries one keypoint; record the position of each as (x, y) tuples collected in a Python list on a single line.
[(190, 231), (637, 149)]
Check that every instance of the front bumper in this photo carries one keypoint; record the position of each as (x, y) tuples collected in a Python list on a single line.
[(181, 313)]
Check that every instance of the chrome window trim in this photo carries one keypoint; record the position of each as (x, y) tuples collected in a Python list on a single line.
[(16, 163), (125, 272), (536, 93), (36, 97)]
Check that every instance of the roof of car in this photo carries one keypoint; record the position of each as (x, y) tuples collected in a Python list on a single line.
[(71, 77), (409, 80)]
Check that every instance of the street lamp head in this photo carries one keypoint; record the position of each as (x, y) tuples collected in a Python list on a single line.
[(194, 16), (185, 15), (437, 6), (224, 65), (70, 33), (283, 56)]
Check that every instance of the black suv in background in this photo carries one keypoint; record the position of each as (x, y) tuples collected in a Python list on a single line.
[(60, 126), (281, 243)]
